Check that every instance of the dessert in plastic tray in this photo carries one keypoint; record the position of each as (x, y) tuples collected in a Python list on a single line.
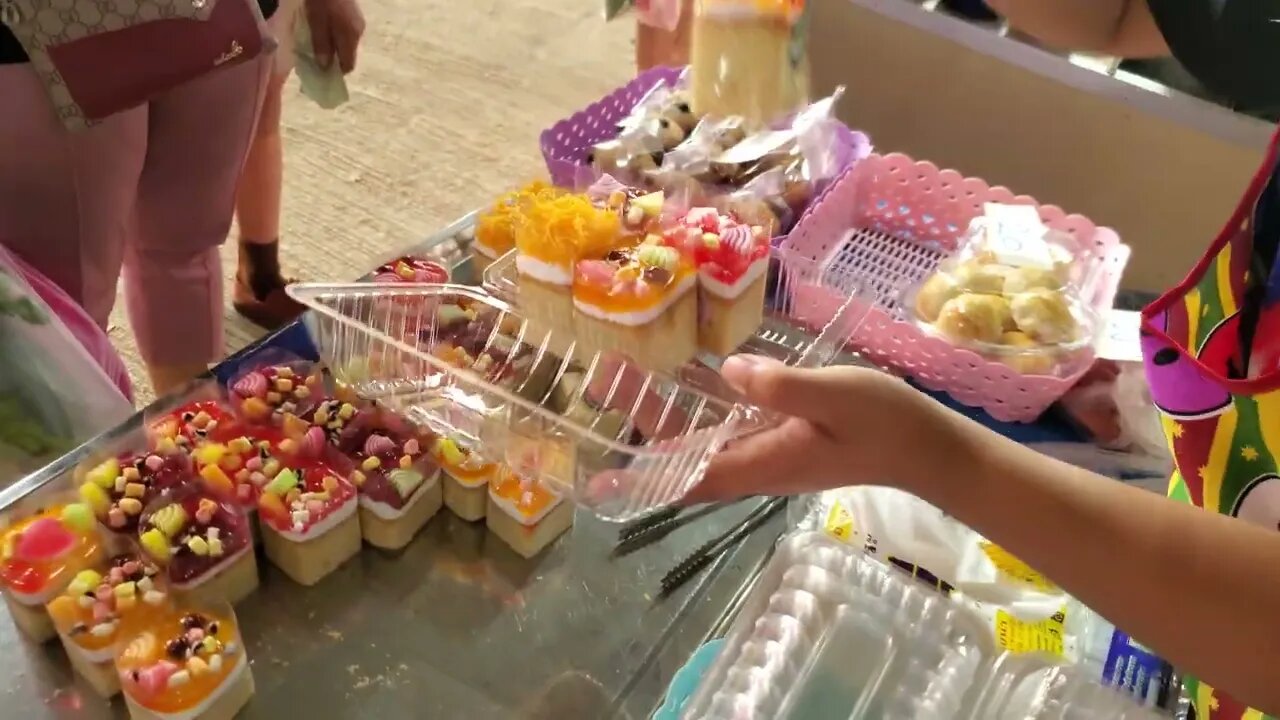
[(830, 633), (91, 613), (610, 434), (1013, 295), (44, 543), (887, 223), (204, 542), (184, 661)]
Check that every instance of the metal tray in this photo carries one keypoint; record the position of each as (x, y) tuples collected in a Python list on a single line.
[(455, 626)]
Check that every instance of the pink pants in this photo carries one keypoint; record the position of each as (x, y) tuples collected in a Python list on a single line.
[(152, 190)]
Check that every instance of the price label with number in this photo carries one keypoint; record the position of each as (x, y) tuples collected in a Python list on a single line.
[(839, 523)]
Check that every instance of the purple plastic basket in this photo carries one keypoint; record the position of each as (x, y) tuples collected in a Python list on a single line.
[(566, 144)]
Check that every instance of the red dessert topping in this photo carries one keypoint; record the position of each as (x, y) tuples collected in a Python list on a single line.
[(118, 489), (39, 549), (193, 534), (722, 248), (196, 423), (411, 269), (271, 393), (304, 493), (394, 465)]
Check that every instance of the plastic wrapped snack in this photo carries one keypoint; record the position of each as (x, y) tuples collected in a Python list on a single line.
[(749, 58), (1012, 294)]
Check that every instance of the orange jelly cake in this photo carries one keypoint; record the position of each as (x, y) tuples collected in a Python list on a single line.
[(639, 302), (308, 511), (733, 261), (466, 478), (39, 556), (183, 664), (204, 544), (525, 514), (91, 611), (553, 233)]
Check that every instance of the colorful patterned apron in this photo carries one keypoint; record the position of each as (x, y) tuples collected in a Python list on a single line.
[(1224, 430)]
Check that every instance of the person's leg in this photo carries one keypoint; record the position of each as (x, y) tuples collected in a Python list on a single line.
[(259, 290), (66, 198), (197, 140)]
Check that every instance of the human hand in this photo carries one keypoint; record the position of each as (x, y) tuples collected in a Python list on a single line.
[(336, 28), (844, 426)]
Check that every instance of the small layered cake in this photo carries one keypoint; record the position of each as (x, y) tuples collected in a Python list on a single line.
[(399, 485), (552, 235), (487, 345), (409, 269), (180, 664), (466, 479), (639, 212), (39, 556), (204, 544), (525, 514), (496, 228), (308, 512), (264, 396), (119, 489), (640, 302), (733, 261), (90, 613)]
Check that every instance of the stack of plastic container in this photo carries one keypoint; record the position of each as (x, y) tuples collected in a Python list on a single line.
[(831, 633)]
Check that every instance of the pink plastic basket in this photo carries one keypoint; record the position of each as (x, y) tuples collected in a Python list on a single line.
[(565, 145), (886, 224)]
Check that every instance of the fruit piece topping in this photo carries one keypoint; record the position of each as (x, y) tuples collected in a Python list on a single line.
[(90, 609)]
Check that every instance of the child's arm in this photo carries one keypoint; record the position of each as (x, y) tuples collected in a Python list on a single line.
[(1202, 589)]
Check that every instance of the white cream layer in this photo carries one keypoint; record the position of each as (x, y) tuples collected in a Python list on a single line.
[(544, 271), (638, 317), (513, 511), (199, 709), (93, 657), (347, 510), (213, 571), (729, 291), (388, 513)]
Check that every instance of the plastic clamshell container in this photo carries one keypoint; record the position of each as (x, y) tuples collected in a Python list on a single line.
[(615, 437), (830, 633)]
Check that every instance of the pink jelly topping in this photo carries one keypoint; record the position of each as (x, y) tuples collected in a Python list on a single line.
[(44, 540), (411, 269), (722, 248)]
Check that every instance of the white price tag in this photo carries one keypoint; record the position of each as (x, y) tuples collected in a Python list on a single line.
[(1120, 338), (1016, 236)]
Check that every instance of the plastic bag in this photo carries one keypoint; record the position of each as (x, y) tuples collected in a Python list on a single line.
[(664, 14), (54, 392), (749, 58)]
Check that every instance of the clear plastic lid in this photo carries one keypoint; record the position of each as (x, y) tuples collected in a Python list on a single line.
[(829, 632)]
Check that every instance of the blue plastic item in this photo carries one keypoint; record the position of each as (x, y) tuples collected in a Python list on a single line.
[(687, 679)]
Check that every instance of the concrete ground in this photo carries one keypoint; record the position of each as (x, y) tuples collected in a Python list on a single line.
[(447, 103)]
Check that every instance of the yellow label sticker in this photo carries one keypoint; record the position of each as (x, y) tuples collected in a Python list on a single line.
[(840, 523), (1021, 636), (1014, 568)]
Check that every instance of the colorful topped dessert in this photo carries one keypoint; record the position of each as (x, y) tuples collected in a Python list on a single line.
[(184, 664), (733, 261), (308, 510), (638, 301), (119, 489), (410, 269), (267, 394), (237, 469), (398, 482), (639, 211), (204, 543), (196, 423), (39, 556), (90, 613), (526, 514), (466, 478)]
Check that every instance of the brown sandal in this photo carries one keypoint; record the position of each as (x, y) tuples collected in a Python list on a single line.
[(259, 293)]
